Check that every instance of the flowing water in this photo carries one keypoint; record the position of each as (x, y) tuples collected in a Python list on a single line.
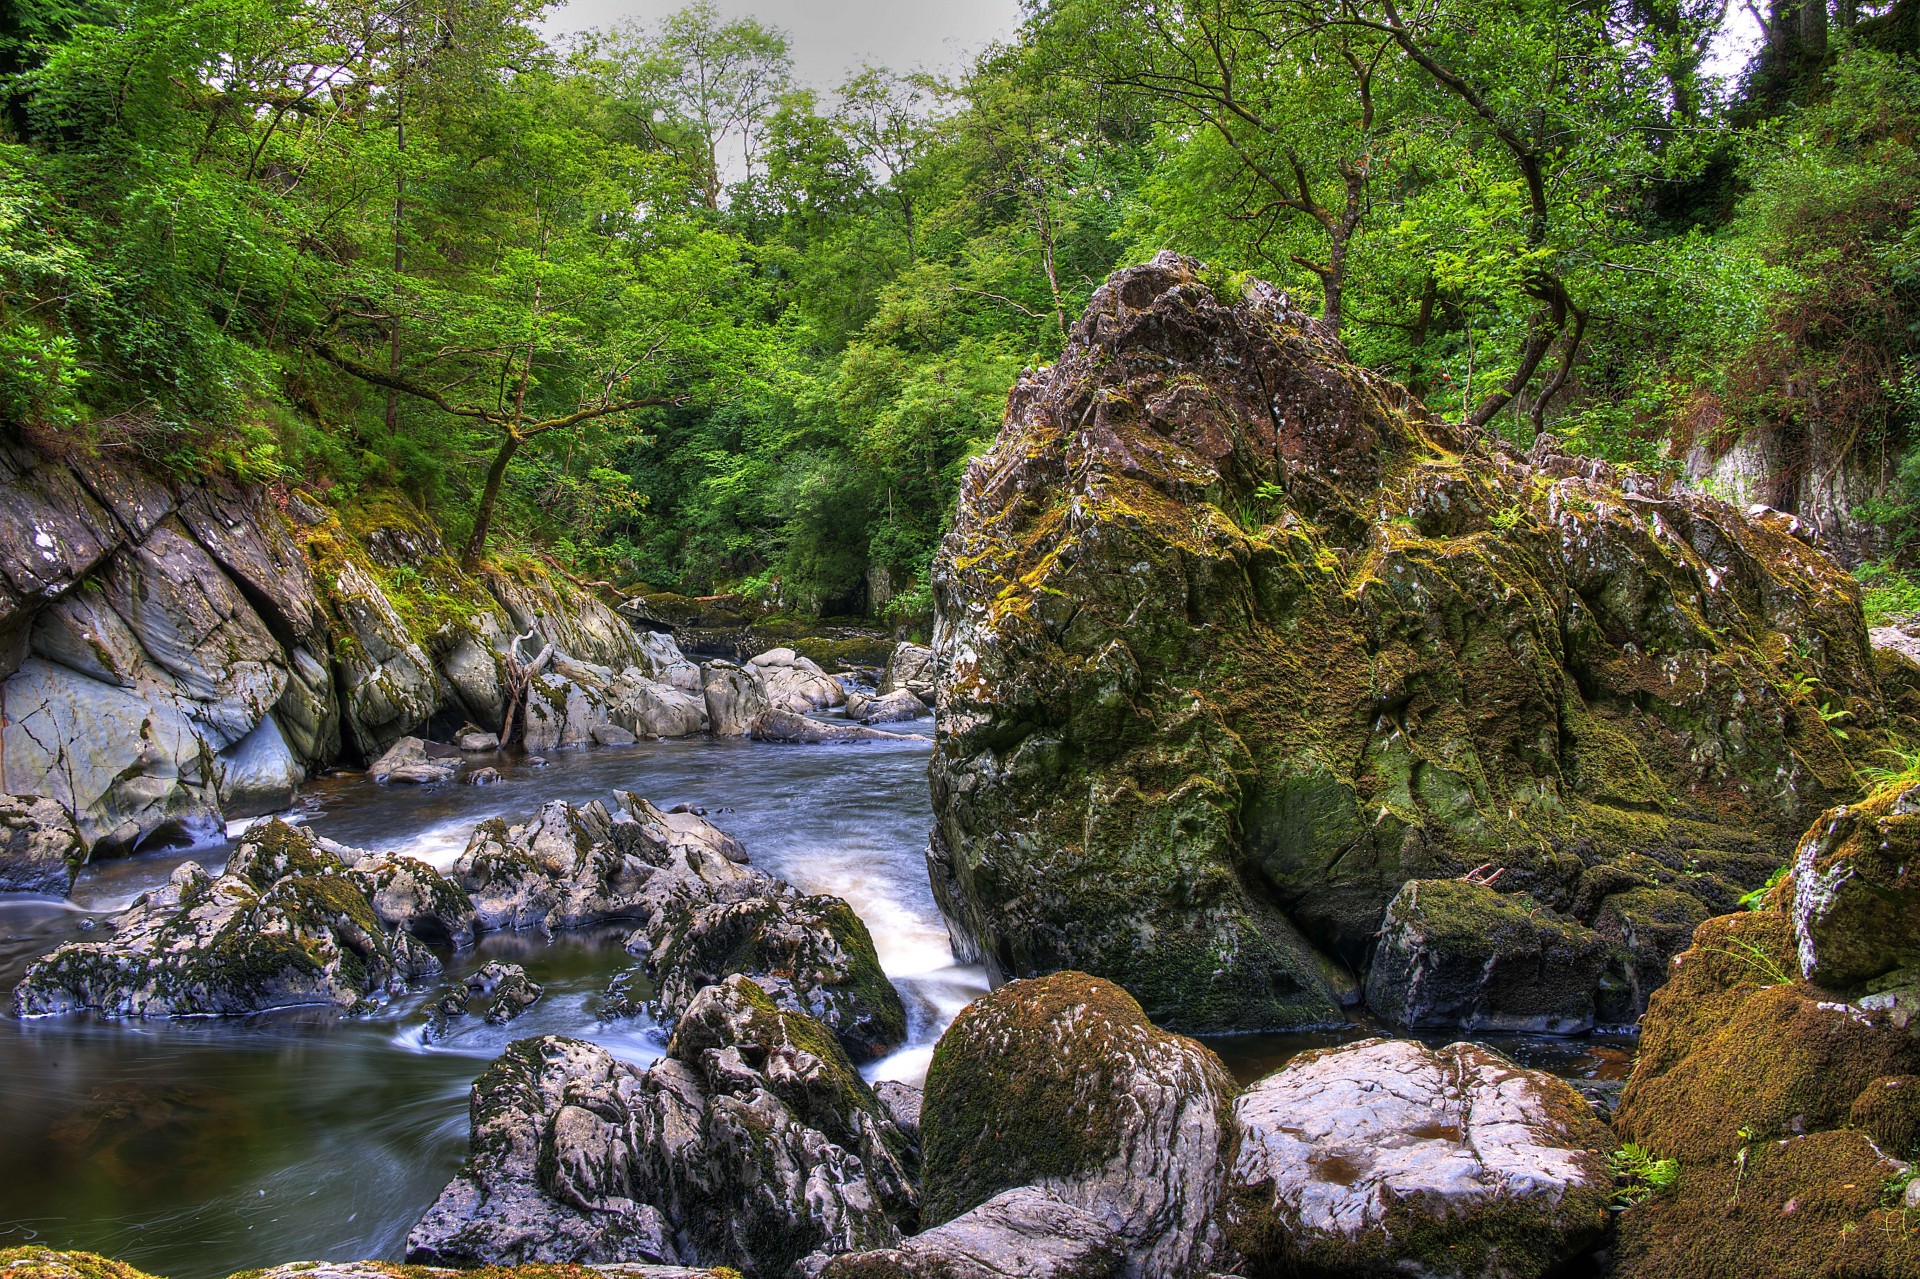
[(201, 1147)]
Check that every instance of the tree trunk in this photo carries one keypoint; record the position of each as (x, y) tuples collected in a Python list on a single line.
[(1813, 31), (483, 514)]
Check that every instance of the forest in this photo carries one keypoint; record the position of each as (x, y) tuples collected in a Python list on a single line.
[(639, 300)]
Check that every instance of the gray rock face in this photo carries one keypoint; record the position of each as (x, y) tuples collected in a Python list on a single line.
[(39, 848), (1454, 953), (509, 989), (476, 741), (752, 1144), (811, 954), (909, 669), (797, 730), (1386, 1157), (389, 686), (666, 664), (1060, 1083), (796, 683), (736, 697), (384, 1270), (259, 774), (577, 703), (285, 926), (578, 625), (902, 1104), (1018, 1234)]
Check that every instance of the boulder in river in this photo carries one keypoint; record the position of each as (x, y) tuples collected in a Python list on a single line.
[(736, 698), (752, 1144), (1061, 1084), (39, 848), (888, 708), (1386, 1157), (287, 925), (800, 730), (909, 669), (1232, 620), (414, 762), (795, 683), (1458, 953)]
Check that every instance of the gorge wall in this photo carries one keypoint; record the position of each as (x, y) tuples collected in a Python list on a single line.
[(1236, 643)]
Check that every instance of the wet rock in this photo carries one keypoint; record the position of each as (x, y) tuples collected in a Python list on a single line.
[(259, 774), (411, 896), (510, 990), (1061, 1084), (1222, 616), (796, 684), (752, 1144), (736, 698), (1456, 953), (1017, 1234), (39, 848), (613, 735), (484, 777), (476, 742), (885, 709), (285, 926), (1388, 1158), (902, 1103), (910, 669), (1856, 890), (389, 687), (411, 761), (798, 730), (44, 1263), (811, 954)]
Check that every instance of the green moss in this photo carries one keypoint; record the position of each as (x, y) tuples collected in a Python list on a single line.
[(48, 1263), (1888, 1110)]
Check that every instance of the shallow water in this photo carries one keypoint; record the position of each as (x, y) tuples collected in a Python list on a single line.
[(197, 1148)]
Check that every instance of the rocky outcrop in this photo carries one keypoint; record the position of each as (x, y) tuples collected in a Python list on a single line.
[(795, 683), (1388, 1158), (1228, 618), (287, 925), (910, 669), (736, 698), (1457, 953), (1018, 1234), (1856, 891), (176, 655), (752, 1144), (46, 1263), (1062, 1085), (39, 848), (887, 708), (413, 762), (1787, 1104)]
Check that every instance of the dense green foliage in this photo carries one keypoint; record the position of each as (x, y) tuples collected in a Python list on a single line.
[(640, 298)]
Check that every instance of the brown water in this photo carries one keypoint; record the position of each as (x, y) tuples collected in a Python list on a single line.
[(197, 1148)]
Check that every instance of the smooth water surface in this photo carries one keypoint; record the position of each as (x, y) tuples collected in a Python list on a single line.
[(197, 1148)]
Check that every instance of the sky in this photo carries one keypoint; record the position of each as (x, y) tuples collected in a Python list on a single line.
[(834, 37)]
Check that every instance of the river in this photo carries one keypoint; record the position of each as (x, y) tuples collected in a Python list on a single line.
[(197, 1148)]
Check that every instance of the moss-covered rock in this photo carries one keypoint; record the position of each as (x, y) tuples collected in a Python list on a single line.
[(1457, 953), (49, 1263), (1017, 1234), (1061, 1083), (1856, 890), (1389, 1158), (1235, 641), (1888, 1110)]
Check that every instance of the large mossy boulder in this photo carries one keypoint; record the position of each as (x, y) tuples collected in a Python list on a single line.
[(1062, 1084), (1234, 641), (753, 1144), (1856, 890), (1389, 1158)]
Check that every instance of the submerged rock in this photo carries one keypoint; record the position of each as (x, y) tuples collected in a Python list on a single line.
[(1061, 1084), (1017, 1234), (1385, 1157), (39, 848), (1456, 953), (286, 926), (1227, 617), (798, 730), (752, 1144)]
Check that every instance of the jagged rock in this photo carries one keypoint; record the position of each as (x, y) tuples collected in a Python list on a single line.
[(812, 954), (1454, 953), (666, 664), (798, 730), (752, 1144), (910, 669), (1017, 1234), (1385, 1157), (412, 897), (795, 683), (578, 624), (1229, 618), (512, 992), (39, 848), (285, 926), (886, 709), (1062, 1084), (736, 698), (44, 1263), (1856, 890), (414, 762)]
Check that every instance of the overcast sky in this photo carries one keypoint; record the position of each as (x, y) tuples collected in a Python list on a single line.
[(832, 37)]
